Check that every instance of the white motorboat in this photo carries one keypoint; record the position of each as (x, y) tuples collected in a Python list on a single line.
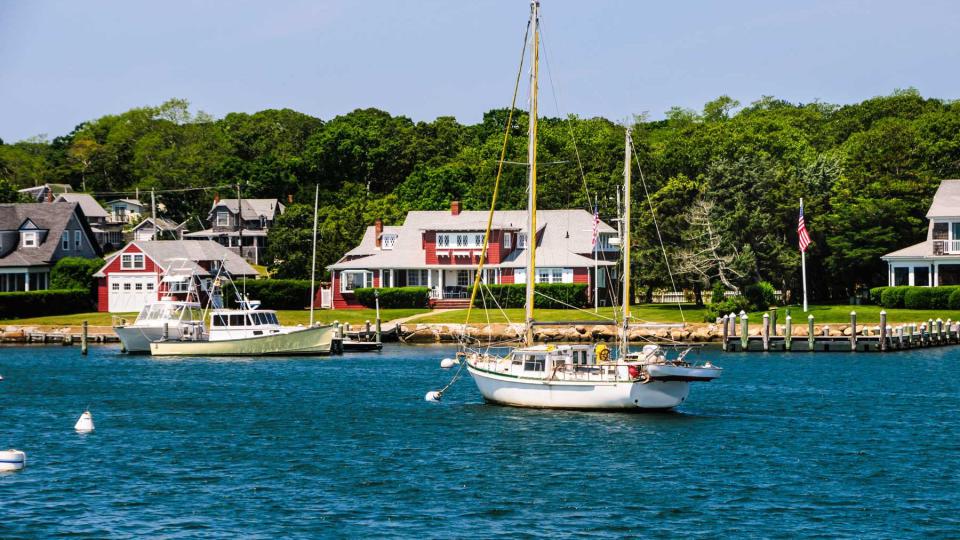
[(577, 376), (164, 319)]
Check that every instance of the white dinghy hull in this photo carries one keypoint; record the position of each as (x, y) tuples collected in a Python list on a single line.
[(543, 394), (667, 372), (137, 339)]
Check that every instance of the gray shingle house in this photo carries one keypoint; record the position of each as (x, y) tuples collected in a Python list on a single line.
[(34, 236), (231, 225)]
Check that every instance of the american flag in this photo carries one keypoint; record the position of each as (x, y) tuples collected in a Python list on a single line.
[(596, 225), (802, 230)]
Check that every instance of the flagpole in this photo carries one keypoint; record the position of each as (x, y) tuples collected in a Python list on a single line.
[(803, 266)]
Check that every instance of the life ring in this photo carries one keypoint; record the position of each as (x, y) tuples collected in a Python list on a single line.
[(603, 353)]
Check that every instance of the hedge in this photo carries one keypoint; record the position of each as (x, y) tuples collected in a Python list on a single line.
[(876, 293), (75, 273), (394, 297), (18, 305), (947, 297), (277, 293), (892, 297), (552, 295)]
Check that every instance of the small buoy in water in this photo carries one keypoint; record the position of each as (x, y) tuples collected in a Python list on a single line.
[(448, 363), (12, 460), (84, 423), (432, 396), (1, 377)]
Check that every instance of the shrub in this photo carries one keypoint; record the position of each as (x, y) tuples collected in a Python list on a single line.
[(17, 305), (876, 293), (953, 302), (734, 304), (75, 273), (278, 293), (717, 293), (940, 297), (892, 297), (395, 297), (552, 295), (760, 295), (917, 298)]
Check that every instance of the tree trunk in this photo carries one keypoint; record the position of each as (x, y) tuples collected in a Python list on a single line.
[(698, 293), (649, 294)]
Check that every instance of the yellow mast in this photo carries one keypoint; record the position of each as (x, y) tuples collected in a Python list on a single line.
[(532, 160)]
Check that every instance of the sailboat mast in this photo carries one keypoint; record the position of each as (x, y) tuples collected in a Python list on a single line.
[(625, 242), (532, 161)]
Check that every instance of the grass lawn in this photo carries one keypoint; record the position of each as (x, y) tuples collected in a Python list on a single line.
[(289, 317)]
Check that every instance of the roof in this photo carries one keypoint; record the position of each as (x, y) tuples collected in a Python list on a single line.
[(252, 208), (946, 201), (210, 233), (178, 254), (52, 218), (564, 234), (91, 208), (162, 224), (55, 188), (128, 201)]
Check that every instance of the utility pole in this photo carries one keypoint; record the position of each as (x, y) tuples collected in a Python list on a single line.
[(153, 212)]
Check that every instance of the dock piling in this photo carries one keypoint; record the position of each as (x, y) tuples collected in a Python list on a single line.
[(788, 333), (166, 331), (773, 317), (743, 331), (726, 331), (766, 332), (83, 339), (810, 337), (883, 330), (853, 330)]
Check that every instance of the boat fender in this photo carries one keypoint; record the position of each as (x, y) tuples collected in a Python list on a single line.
[(433, 396), (634, 372), (448, 363), (12, 460), (84, 423)]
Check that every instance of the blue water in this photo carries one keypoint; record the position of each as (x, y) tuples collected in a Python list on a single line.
[(830, 445)]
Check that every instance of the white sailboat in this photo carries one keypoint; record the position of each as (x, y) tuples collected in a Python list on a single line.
[(590, 377)]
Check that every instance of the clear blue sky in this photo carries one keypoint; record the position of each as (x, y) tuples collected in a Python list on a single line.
[(63, 62)]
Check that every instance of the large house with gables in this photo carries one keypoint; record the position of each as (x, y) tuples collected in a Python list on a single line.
[(241, 227), (440, 250), (936, 260), (33, 237)]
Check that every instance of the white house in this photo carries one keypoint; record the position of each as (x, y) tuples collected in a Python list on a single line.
[(936, 260), (125, 210)]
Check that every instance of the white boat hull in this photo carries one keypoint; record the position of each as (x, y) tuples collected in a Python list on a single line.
[(137, 339), (536, 393), (309, 341)]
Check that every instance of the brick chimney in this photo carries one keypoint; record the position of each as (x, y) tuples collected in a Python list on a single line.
[(49, 195), (216, 198), (289, 198), (378, 232), (455, 208)]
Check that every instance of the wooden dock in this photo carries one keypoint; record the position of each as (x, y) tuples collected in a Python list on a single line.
[(876, 338)]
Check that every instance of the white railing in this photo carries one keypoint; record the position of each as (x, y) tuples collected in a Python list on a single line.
[(953, 246)]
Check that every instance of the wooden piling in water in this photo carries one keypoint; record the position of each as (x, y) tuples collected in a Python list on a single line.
[(744, 336), (726, 332), (853, 330), (810, 337), (773, 318), (83, 339), (883, 330), (788, 333), (766, 332)]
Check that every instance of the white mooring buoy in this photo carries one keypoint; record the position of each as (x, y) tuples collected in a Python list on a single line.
[(433, 396), (448, 363), (84, 423), (12, 460)]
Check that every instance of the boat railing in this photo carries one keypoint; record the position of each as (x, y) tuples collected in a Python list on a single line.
[(118, 321)]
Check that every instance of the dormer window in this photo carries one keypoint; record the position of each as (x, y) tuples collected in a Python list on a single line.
[(223, 219), (507, 240), (29, 239), (132, 261), (521, 240), (263, 222), (388, 241)]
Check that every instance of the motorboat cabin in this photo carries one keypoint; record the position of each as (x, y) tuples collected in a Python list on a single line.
[(244, 323)]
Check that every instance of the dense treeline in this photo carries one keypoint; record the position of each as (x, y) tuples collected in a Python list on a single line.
[(724, 182)]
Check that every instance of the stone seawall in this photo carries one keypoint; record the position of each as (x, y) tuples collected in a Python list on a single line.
[(687, 333), (47, 333)]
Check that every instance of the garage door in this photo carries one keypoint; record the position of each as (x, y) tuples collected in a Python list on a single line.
[(131, 293)]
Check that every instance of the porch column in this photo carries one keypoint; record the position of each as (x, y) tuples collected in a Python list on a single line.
[(935, 279), (430, 279), (26, 280), (910, 280)]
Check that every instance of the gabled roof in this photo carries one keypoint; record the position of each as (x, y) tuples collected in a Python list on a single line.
[(162, 224), (128, 201), (564, 235), (170, 254), (252, 208), (946, 201), (91, 208), (53, 218)]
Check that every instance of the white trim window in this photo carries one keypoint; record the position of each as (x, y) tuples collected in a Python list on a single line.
[(507, 240), (132, 261), (417, 278), (549, 275), (223, 218), (77, 239), (521, 240), (29, 238), (388, 241), (65, 241), (443, 240), (463, 278), (350, 280)]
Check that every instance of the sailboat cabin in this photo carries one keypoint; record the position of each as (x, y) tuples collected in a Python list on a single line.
[(440, 250)]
